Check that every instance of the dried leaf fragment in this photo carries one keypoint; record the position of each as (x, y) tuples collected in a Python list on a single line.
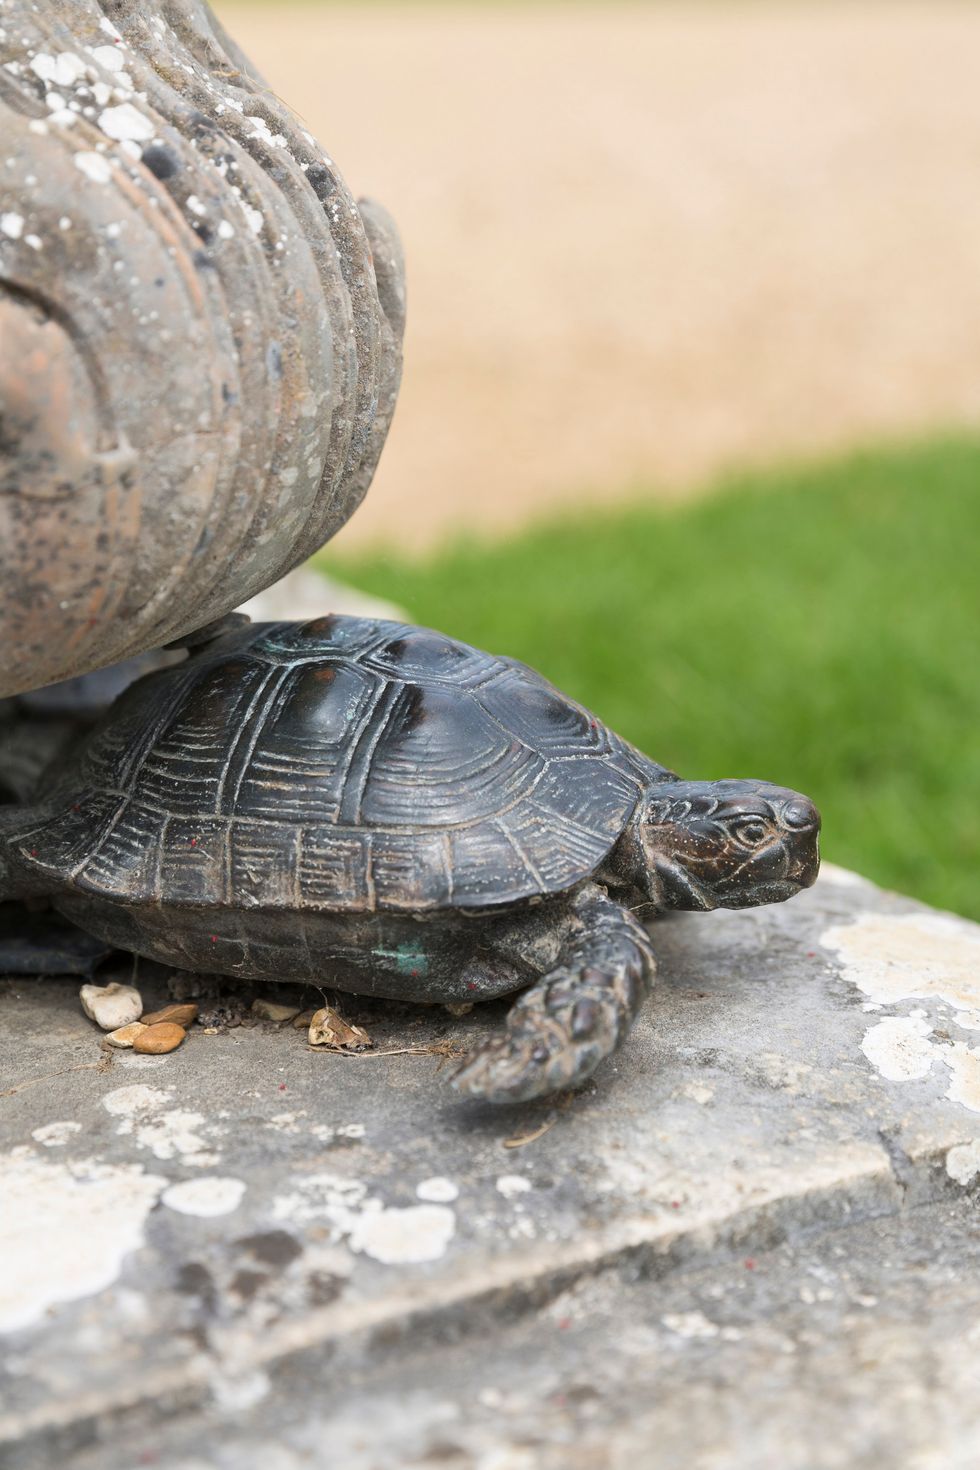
[(329, 1029)]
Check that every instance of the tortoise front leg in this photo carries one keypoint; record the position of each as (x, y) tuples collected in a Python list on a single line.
[(577, 1014)]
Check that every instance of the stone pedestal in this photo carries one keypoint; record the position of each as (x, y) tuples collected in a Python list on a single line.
[(750, 1240)]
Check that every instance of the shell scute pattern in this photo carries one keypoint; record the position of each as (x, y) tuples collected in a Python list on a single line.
[(329, 767), (296, 768), (445, 763)]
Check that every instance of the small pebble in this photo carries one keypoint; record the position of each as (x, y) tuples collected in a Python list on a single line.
[(162, 1037), (111, 1006), (125, 1035), (270, 1010), (303, 1019), (177, 1015)]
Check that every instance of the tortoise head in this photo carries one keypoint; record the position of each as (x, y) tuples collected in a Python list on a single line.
[(727, 844)]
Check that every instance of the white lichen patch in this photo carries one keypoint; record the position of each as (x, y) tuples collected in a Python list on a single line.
[(321, 1197), (167, 1133), (255, 217), (63, 70), (963, 1161), (963, 1165), (261, 129), (125, 123), (389, 1234), (12, 224), (403, 1237), (206, 1197), (899, 1048), (895, 957), (964, 1084), (65, 1230), (56, 1135), (110, 58), (511, 1185), (437, 1190), (94, 167)]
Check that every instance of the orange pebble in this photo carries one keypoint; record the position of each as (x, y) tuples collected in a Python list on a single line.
[(164, 1036)]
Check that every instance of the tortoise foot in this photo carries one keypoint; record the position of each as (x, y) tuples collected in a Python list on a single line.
[(573, 1017), (516, 1068)]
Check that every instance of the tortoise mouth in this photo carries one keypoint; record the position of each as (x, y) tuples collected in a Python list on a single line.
[(774, 890), (681, 889)]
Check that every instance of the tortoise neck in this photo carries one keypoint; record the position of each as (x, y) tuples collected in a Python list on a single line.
[(625, 871)]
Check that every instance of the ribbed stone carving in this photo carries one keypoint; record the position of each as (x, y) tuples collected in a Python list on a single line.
[(199, 333)]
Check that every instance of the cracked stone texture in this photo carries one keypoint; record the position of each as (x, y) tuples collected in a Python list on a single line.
[(248, 1254)]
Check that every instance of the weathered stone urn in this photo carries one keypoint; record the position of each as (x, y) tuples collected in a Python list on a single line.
[(199, 333)]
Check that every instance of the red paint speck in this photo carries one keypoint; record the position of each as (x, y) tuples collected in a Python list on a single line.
[(749, 1264), (282, 1087), (193, 842), (675, 1204), (33, 852), (214, 938), (564, 1323), (415, 974), (471, 984)]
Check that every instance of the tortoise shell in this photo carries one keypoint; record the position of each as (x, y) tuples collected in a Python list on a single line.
[(342, 765)]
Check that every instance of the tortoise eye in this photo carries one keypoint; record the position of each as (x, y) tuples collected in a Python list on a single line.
[(751, 831)]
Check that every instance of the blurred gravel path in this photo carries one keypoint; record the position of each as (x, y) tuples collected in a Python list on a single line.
[(649, 241)]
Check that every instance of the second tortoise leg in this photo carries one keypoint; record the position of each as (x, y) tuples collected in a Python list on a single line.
[(575, 1015)]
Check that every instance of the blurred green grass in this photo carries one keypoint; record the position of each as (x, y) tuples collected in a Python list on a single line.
[(816, 626)]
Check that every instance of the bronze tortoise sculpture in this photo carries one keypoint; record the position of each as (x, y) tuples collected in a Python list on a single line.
[(386, 810)]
